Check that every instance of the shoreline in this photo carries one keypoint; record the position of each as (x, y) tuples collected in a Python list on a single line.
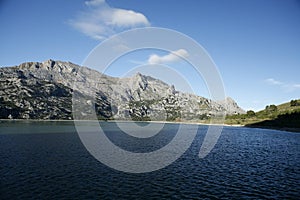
[(289, 129), (161, 122)]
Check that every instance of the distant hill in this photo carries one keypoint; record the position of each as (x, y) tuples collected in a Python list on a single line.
[(285, 116), (44, 90)]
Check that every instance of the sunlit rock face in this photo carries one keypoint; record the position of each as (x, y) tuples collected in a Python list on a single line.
[(44, 90)]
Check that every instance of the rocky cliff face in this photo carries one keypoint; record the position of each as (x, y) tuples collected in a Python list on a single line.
[(44, 91)]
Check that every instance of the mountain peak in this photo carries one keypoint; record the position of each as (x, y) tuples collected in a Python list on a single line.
[(231, 106)]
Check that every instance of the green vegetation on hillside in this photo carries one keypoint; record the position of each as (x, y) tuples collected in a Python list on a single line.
[(285, 116)]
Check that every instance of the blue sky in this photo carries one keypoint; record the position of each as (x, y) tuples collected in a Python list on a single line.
[(255, 44)]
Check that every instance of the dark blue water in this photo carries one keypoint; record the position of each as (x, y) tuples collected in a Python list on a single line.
[(46, 160)]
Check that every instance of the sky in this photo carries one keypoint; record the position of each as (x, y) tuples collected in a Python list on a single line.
[(254, 44)]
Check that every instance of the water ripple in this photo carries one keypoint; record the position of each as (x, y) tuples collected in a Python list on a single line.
[(245, 164)]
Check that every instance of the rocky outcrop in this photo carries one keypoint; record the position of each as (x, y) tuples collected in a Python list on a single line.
[(45, 90)]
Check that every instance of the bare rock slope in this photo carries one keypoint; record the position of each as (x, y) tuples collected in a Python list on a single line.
[(47, 90)]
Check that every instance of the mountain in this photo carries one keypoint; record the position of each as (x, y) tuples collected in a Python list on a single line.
[(47, 90)]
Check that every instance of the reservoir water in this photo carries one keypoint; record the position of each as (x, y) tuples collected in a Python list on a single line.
[(47, 160)]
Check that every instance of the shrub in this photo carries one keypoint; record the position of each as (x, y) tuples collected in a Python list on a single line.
[(250, 113), (271, 108), (294, 103)]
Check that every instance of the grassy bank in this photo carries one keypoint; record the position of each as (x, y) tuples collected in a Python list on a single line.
[(285, 116)]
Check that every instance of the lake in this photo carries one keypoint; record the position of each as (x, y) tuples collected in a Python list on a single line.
[(45, 160)]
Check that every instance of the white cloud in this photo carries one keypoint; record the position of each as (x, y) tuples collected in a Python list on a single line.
[(128, 18), (99, 20), (287, 87), (171, 57)]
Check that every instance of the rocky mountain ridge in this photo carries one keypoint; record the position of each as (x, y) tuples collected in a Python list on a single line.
[(48, 90)]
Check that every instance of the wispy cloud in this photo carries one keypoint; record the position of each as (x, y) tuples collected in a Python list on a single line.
[(173, 56), (136, 62), (296, 86), (287, 87), (272, 81), (100, 20), (94, 2)]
